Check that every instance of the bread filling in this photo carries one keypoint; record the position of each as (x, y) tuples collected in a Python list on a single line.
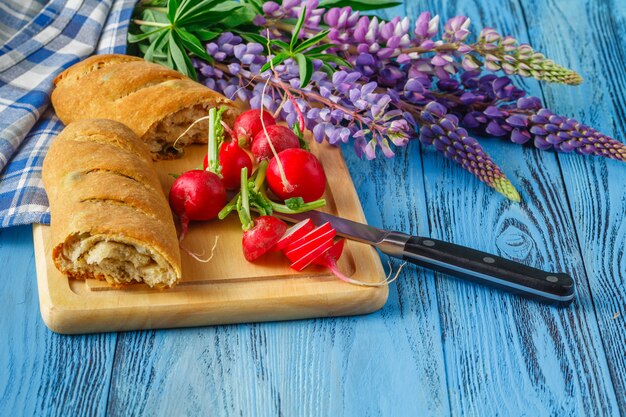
[(161, 136), (118, 262)]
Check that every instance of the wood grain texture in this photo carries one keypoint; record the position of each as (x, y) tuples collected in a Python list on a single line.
[(440, 346), (553, 357), (42, 373), (595, 186)]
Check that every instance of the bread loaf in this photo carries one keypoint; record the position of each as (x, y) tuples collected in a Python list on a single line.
[(155, 102), (109, 217)]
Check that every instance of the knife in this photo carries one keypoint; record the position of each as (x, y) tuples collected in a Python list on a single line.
[(452, 259)]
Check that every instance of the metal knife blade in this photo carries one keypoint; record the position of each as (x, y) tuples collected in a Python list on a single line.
[(387, 241)]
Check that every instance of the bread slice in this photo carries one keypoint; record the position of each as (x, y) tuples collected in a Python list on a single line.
[(110, 219), (157, 103)]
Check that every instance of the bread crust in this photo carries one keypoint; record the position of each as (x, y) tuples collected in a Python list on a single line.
[(132, 91), (101, 182)]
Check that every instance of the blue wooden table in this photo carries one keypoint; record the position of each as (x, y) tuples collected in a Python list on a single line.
[(440, 346)]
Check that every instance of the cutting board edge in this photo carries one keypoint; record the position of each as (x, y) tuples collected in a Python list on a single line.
[(67, 315), (65, 311)]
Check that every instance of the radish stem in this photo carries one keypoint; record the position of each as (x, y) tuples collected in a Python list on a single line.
[(283, 208), (213, 163), (243, 203)]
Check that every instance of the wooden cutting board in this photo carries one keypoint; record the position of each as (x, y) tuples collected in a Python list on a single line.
[(228, 289)]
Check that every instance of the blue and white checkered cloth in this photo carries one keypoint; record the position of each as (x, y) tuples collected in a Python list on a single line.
[(38, 39)]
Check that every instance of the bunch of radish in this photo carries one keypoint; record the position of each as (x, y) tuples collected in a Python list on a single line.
[(293, 176)]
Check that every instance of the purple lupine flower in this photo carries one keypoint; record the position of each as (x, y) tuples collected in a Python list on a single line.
[(440, 129)]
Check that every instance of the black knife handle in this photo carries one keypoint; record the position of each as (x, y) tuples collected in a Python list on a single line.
[(489, 269)]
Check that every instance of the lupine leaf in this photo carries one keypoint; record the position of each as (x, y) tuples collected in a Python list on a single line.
[(332, 58), (305, 66), (256, 38), (274, 61), (297, 28), (311, 41), (191, 9), (320, 48), (155, 46), (253, 37), (360, 5), (132, 38), (192, 44), (172, 8), (179, 58), (257, 4), (239, 17), (207, 16), (206, 35), (150, 15), (281, 44), (327, 69)]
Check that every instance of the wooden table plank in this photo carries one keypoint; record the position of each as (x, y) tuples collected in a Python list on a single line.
[(543, 360), (502, 354), (592, 41), (43, 373)]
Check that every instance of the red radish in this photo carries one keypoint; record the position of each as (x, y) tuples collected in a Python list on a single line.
[(282, 138), (232, 158), (196, 195), (329, 259), (258, 240), (307, 253), (248, 125), (320, 230), (304, 174), (294, 233), (334, 253), (312, 235)]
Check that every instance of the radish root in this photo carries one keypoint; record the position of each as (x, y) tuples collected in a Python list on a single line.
[(197, 256), (388, 280), (185, 132)]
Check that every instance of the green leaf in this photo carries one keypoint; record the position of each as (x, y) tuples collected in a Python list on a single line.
[(281, 44), (311, 41), (360, 5), (305, 66), (332, 58), (134, 38), (297, 28), (172, 7), (208, 15), (327, 69), (189, 9), (239, 17), (156, 46), (178, 57), (192, 44), (150, 15), (274, 61), (206, 35), (256, 4), (319, 49), (253, 37), (256, 38)]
